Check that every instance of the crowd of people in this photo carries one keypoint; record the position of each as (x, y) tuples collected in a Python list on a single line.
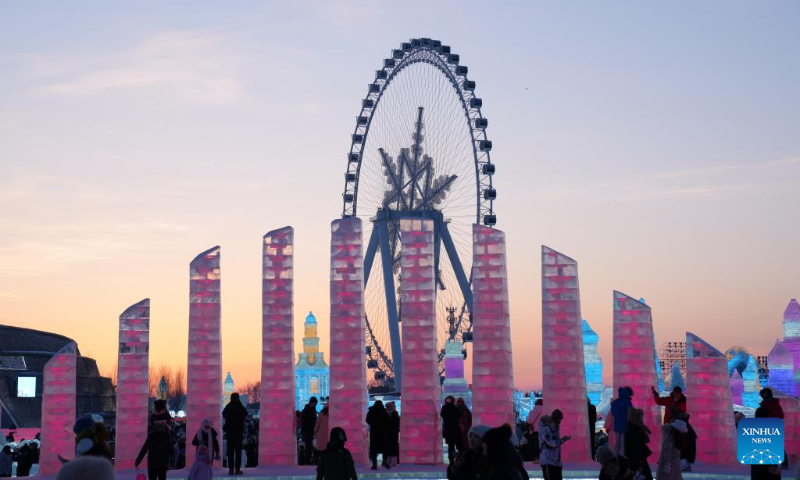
[(24, 453)]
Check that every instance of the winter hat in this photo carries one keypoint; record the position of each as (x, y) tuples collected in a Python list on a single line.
[(160, 404), (496, 437), (604, 454), (337, 434), (679, 425), (206, 423), (479, 430), (82, 424)]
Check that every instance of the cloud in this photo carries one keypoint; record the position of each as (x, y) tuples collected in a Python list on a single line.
[(193, 67)]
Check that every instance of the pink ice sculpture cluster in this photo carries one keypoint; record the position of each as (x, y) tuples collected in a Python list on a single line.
[(348, 387), (634, 362), (781, 368), (791, 339), (204, 372), (420, 439), (492, 369), (709, 402), (276, 428), (58, 409), (564, 376), (132, 386)]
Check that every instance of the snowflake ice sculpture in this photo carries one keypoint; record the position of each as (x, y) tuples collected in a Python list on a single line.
[(759, 457)]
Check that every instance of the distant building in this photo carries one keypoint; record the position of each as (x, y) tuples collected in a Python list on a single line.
[(227, 390), (23, 355), (311, 374), (670, 353)]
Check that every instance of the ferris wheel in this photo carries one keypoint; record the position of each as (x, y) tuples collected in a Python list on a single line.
[(419, 150)]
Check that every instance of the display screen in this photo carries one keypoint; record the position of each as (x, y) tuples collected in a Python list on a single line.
[(26, 386)]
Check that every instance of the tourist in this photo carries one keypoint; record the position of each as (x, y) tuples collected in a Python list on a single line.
[(535, 414), (378, 421), (465, 421), (92, 438), (321, 429), (234, 414), (336, 462), (637, 436), (6, 461), (451, 430), (550, 441), (207, 436), (158, 447), (676, 399), (619, 412), (308, 420), (393, 439), (83, 468), (592, 422), (28, 455), (472, 462), (765, 472), (772, 404), (251, 451), (160, 414), (611, 467), (201, 468), (689, 442), (669, 462), (503, 462)]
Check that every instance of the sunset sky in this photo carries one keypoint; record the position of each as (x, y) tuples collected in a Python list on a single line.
[(656, 144)]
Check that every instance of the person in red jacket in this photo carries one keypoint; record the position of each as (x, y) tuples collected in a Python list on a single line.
[(772, 404), (676, 399)]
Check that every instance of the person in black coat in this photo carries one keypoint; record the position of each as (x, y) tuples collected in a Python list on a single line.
[(592, 422), (689, 451), (234, 415), (378, 421), (336, 462), (308, 420), (637, 436), (157, 447), (503, 462), (451, 429), (393, 444)]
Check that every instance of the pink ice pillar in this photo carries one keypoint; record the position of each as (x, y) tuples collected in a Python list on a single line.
[(279, 444), (132, 388), (492, 369), (634, 362), (709, 402), (791, 334), (58, 409), (421, 434), (737, 387), (564, 377), (791, 423), (348, 387), (204, 373)]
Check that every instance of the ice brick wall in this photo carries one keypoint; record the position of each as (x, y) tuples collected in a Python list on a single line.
[(709, 402), (58, 410), (204, 372), (278, 445), (132, 383), (564, 378), (348, 399), (420, 435)]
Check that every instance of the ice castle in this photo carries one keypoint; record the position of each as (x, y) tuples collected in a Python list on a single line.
[(592, 363), (311, 374)]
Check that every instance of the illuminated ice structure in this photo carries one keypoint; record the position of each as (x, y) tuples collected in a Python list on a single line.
[(492, 369), (228, 387), (564, 378), (454, 382), (781, 369), (709, 403), (58, 409), (737, 388), (278, 445), (676, 378), (751, 384), (204, 372), (593, 365), (311, 373), (420, 388), (634, 362), (791, 422), (791, 335), (132, 383), (348, 399)]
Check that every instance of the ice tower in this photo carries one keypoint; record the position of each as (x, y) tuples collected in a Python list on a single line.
[(311, 374), (492, 370), (227, 389), (348, 400), (751, 384), (709, 403), (634, 362), (420, 438), (204, 372), (454, 382), (58, 409), (781, 369), (791, 333), (593, 366), (563, 375), (737, 388), (276, 427), (676, 378), (132, 388)]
